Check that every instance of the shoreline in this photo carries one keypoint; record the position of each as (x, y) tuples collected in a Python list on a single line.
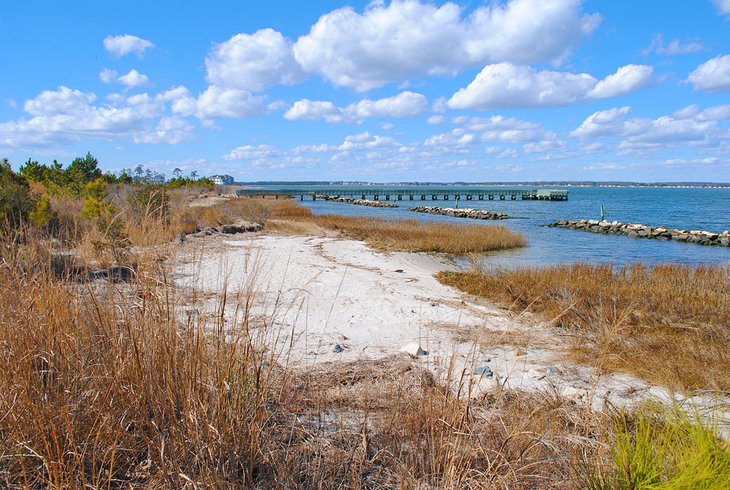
[(321, 300)]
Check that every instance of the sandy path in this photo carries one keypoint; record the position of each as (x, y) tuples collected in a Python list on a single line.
[(309, 295)]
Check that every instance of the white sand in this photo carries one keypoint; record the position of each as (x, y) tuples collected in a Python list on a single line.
[(311, 294)]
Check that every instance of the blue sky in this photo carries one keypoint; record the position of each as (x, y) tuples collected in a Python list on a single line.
[(375, 91)]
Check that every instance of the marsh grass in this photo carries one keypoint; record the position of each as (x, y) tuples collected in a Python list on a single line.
[(669, 324), (410, 235)]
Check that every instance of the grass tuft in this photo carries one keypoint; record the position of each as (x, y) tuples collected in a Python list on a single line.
[(667, 324)]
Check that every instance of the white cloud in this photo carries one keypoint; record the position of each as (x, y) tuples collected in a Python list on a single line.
[(108, 76), (627, 79), (712, 75), (228, 103), (603, 123), (66, 115), (251, 152), (722, 6), (456, 137), (306, 109), (61, 101), (253, 62), (170, 130), (213, 102), (125, 44), (365, 141), (304, 149), (405, 39), (405, 104), (508, 85), (133, 79), (436, 119), (716, 113), (674, 47), (646, 134)]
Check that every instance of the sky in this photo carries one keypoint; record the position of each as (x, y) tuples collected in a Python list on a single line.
[(408, 90)]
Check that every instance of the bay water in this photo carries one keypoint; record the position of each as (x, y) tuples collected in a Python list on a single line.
[(682, 208)]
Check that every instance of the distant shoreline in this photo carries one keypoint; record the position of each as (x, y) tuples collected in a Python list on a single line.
[(678, 185)]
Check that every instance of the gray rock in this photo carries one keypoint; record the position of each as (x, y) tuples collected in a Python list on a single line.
[(485, 371)]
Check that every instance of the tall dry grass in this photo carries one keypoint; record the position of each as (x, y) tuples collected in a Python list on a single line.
[(669, 324), (122, 384), (412, 235)]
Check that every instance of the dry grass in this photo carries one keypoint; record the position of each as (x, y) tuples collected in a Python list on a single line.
[(669, 324), (412, 235), (111, 385)]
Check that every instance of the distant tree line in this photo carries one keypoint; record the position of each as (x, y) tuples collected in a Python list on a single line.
[(24, 195)]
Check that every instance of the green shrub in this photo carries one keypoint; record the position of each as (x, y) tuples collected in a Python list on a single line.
[(664, 448), (16, 199)]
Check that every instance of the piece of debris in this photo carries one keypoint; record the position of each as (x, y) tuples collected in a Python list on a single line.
[(413, 350), (398, 270), (338, 348)]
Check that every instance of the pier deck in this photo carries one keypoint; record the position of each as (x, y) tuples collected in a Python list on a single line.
[(377, 194)]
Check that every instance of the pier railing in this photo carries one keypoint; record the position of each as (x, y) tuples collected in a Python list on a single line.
[(414, 194)]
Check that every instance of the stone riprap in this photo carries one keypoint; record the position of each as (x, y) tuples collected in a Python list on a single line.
[(359, 202), (231, 229), (699, 237), (460, 213)]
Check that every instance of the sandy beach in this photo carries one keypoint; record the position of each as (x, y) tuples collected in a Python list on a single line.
[(320, 299)]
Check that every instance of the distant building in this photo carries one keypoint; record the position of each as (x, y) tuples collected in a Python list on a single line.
[(221, 179)]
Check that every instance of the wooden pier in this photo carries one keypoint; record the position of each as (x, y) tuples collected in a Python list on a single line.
[(414, 194)]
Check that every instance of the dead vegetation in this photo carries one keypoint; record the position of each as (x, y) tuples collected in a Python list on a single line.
[(669, 324), (288, 217)]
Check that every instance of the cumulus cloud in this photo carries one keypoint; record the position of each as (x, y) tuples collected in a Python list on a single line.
[(171, 130), (405, 104), (404, 39), (253, 62), (125, 44), (627, 79), (603, 123), (133, 79), (643, 133), (306, 109), (365, 141), (252, 152), (713, 75), (213, 102), (67, 115), (61, 101), (505, 85), (227, 103), (456, 137)]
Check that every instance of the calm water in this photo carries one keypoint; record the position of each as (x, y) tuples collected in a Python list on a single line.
[(704, 209)]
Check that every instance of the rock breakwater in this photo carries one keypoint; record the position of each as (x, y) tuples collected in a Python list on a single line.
[(699, 237), (359, 202), (460, 213)]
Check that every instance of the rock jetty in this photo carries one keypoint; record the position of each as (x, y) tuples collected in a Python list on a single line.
[(642, 231), (359, 202), (460, 213), (230, 229)]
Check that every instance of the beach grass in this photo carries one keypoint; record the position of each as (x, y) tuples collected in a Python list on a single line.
[(287, 216), (668, 324), (126, 381), (126, 384)]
